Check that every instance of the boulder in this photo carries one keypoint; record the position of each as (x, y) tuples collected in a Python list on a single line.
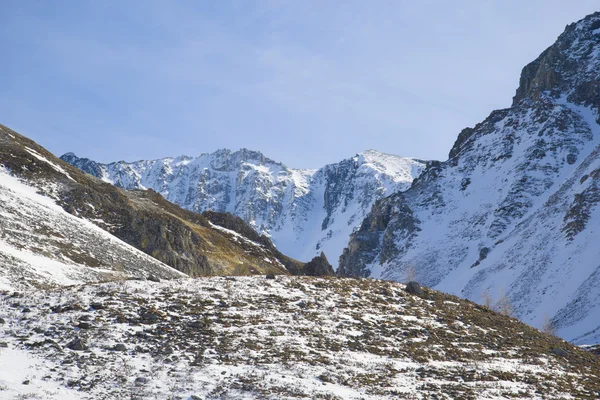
[(413, 287)]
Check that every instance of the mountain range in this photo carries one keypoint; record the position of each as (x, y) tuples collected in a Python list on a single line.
[(304, 212), (60, 225)]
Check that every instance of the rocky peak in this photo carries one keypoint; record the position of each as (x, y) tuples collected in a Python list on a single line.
[(567, 68)]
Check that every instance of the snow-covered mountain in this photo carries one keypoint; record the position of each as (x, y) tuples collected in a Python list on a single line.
[(513, 213), (305, 212)]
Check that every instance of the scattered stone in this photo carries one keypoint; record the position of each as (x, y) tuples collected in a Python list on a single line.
[(77, 344), (302, 304), (26, 310), (413, 287), (97, 306), (153, 278), (26, 382), (3, 345), (119, 347), (270, 276), (140, 380), (559, 352), (2, 321), (84, 325)]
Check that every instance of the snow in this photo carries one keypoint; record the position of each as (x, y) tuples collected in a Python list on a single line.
[(18, 366), (544, 274)]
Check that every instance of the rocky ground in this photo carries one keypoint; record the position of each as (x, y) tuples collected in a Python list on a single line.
[(283, 338)]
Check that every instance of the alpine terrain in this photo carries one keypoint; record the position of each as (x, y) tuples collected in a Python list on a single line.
[(305, 212), (512, 216), (286, 338), (57, 220)]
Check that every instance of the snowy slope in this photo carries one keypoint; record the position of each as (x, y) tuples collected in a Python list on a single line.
[(289, 338), (514, 211), (303, 211), (41, 244)]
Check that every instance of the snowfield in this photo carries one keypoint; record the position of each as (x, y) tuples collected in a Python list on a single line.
[(288, 338)]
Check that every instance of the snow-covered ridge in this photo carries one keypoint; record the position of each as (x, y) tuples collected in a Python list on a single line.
[(303, 211)]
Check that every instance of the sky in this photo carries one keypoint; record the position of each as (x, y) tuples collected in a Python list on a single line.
[(306, 82)]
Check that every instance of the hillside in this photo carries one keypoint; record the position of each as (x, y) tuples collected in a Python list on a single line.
[(181, 239), (304, 212), (288, 338), (514, 210)]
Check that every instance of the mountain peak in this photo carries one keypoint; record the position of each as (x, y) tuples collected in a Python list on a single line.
[(569, 68)]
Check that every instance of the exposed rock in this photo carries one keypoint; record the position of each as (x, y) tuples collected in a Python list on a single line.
[(318, 266), (153, 278), (77, 344), (84, 325), (413, 287), (119, 347)]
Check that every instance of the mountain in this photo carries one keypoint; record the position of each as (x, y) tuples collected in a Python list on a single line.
[(287, 338), (52, 214), (304, 212), (513, 214)]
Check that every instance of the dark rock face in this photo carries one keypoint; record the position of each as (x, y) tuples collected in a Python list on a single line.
[(387, 215), (318, 266), (559, 69), (414, 288), (580, 209)]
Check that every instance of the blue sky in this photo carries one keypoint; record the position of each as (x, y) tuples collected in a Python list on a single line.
[(305, 82)]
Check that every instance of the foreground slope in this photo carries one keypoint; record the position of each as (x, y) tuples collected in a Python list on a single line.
[(305, 212), (514, 211), (293, 337), (41, 244), (189, 242)]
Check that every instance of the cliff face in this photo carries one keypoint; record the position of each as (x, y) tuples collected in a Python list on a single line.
[(513, 212)]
